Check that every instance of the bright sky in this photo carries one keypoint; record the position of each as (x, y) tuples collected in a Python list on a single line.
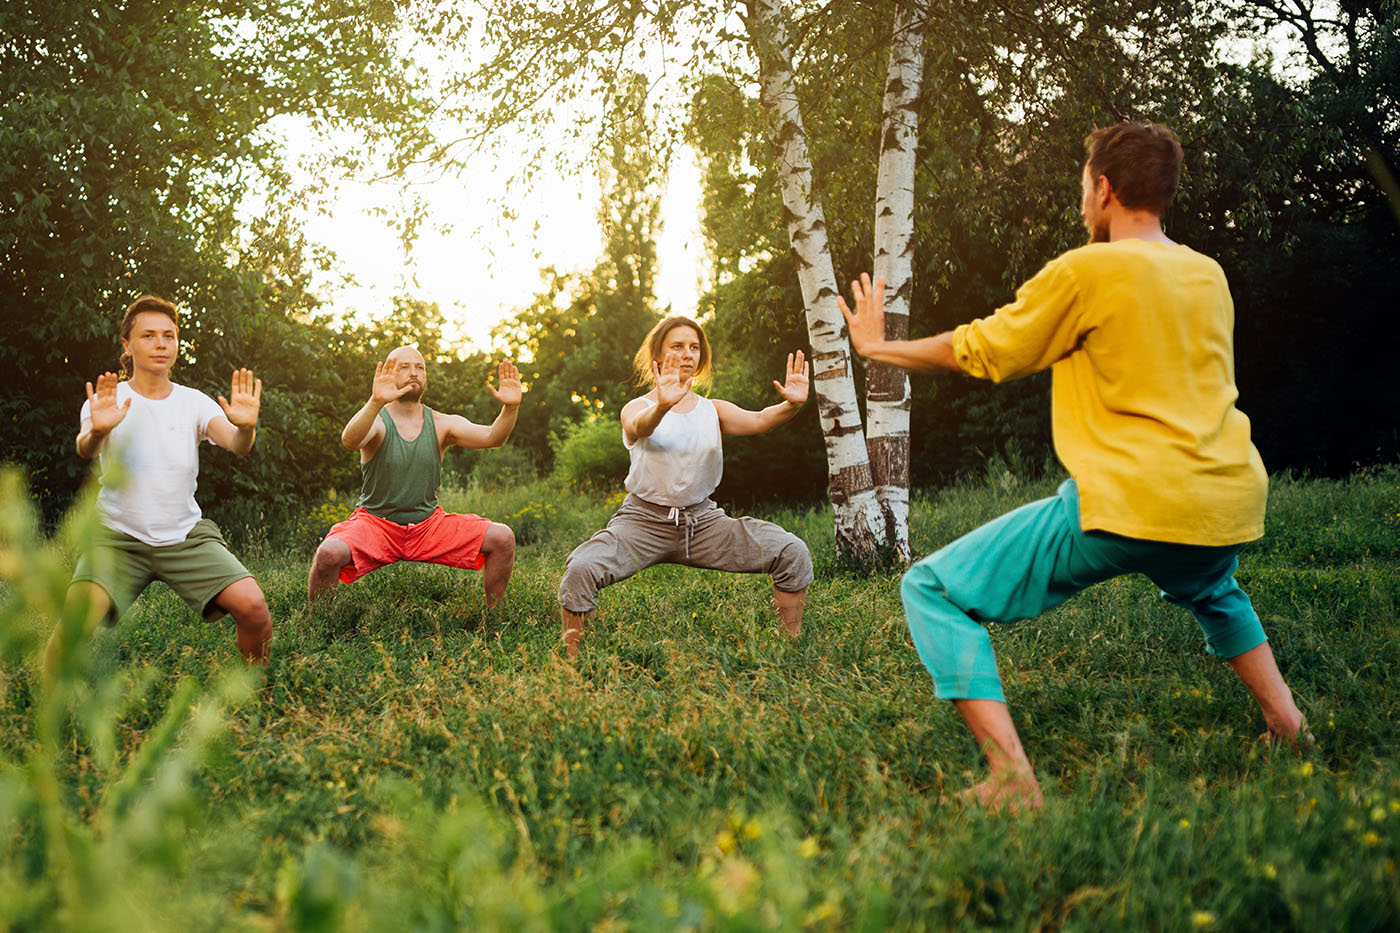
[(477, 266)]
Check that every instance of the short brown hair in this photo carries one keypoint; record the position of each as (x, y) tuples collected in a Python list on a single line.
[(144, 303), (1142, 162), (651, 350)]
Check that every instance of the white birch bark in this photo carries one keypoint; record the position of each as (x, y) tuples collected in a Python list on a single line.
[(860, 529), (887, 396)]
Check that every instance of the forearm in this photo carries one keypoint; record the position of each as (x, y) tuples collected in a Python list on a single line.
[(775, 415), (926, 354), (645, 423), (89, 443), (360, 424), (243, 439), (502, 426)]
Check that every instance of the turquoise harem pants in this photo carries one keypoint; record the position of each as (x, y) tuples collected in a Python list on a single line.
[(1036, 557)]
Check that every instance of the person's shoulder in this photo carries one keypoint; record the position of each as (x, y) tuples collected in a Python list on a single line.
[(1185, 254), (189, 394), (191, 399)]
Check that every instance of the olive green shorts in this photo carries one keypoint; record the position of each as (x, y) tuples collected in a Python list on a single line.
[(197, 568)]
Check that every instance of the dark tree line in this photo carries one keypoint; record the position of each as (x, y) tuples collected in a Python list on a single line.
[(135, 140)]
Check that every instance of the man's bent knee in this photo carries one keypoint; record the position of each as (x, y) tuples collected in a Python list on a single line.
[(499, 539), (331, 555), (243, 599)]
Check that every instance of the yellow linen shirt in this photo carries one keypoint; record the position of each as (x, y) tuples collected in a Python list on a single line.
[(1139, 337)]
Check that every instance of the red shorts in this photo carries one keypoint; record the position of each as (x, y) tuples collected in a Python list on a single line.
[(441, 538)]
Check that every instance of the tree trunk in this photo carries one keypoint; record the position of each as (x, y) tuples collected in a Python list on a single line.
[(887, 396), (860, 530)]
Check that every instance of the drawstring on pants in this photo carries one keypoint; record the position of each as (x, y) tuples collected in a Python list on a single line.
[(675, 515)]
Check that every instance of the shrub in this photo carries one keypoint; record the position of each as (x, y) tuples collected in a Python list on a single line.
[(504, 467), (590, 455)]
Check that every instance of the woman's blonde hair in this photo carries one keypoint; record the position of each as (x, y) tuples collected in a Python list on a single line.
[(144, 303), (653, 349)]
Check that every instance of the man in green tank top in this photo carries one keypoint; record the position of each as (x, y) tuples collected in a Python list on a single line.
[(401, 443)]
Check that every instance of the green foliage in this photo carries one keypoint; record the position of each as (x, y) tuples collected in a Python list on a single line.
[(414, 760), (591, 456), (504, 467), (1276, 187), (94, 821), (576, 339), (139, 140)]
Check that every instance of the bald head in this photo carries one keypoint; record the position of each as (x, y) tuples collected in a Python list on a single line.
[(409, 369)]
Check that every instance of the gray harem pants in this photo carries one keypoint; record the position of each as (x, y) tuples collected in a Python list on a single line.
[(641, 534)]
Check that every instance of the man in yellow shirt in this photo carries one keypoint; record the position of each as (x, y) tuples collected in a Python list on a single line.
[(1138, 332)]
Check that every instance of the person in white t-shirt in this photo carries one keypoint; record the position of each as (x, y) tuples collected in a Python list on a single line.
[(673, 436), (145, 432)]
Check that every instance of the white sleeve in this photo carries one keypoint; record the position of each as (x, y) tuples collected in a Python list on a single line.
[(206, 410)]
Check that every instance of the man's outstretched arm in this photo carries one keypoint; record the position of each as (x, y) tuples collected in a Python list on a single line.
[(360, 430), (464, 433), (867, 328)]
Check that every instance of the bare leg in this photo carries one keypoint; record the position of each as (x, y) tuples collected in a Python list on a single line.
[(97, 604), (499, 548), (790, 606), (325, 568), (1260, 674), (244, 601), (1012, 785), (572, 625)]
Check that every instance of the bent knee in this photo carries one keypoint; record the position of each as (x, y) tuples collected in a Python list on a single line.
[(332, 554), (499, 539), (578, 588), (919, 582), (792, 568), (244, 600)]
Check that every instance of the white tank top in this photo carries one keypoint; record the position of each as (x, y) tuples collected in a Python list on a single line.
[(681, 462)]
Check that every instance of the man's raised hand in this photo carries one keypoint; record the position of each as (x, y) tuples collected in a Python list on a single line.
[(386, 386), (670, 387), (794, 389), (105, 413), (244, 399), (509, 378), (867, 324)]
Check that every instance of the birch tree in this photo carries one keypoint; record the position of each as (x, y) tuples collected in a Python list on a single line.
[(860, 527), (887, 396)]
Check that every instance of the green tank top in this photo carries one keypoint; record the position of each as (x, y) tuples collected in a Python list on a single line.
[(400, 482)]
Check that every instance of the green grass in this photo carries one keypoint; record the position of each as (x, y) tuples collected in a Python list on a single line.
[(415, 761)]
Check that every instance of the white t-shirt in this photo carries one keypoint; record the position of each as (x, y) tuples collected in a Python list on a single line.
[(681, 462), (156, 451)]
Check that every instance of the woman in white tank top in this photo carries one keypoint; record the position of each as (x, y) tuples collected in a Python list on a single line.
[(673, 436)]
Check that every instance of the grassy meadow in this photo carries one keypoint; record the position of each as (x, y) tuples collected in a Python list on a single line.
[(412, 761)]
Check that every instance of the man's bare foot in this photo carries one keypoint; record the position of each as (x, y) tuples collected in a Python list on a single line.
[(1294, 732), (1016, 794)]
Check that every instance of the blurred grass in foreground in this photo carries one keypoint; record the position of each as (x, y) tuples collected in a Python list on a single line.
[(413, 761)]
